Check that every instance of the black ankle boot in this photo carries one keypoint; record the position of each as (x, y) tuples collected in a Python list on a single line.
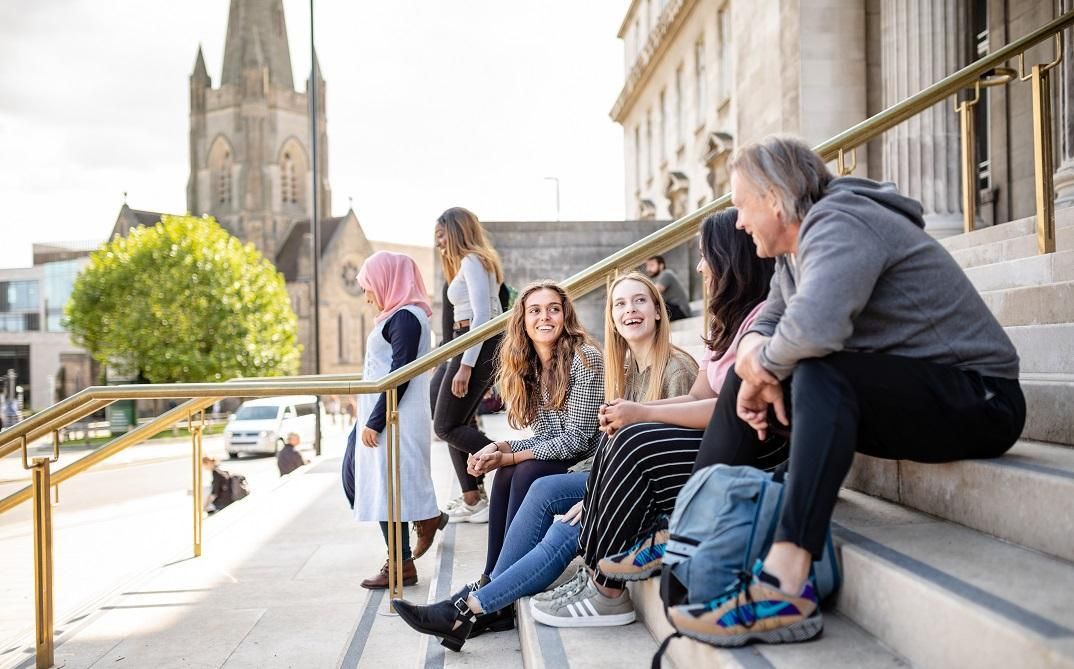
[(497, 621), (450, 620)]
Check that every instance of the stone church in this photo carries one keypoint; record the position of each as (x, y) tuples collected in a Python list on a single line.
[(251, 169)]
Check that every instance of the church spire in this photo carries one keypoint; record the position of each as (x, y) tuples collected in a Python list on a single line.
[(201, 73), (256, 30)]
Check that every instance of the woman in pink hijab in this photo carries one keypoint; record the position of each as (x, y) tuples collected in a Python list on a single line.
[(393, 285)]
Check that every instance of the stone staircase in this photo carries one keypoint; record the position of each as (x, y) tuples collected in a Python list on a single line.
[(964, 564)]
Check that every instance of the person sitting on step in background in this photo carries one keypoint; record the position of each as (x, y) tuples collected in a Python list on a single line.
[(641, 364), (873, 340), (670, 287), (289, 459), (393, 284)]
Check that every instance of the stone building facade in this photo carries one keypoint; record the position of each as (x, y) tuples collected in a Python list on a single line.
[(705, 76)]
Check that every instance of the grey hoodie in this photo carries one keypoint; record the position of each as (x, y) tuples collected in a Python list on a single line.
[(869, 278)]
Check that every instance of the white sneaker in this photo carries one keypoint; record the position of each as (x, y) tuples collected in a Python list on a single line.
[(466, 513)]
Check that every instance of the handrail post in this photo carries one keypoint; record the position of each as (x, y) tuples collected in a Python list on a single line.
[(1042, 159), (969, 160), (44, 643), (1042, 145), (398, 461), (395, 537), (196, 450)]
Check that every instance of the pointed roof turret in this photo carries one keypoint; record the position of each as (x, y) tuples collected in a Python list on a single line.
[(316, 72), (256, 30), (201, 73)]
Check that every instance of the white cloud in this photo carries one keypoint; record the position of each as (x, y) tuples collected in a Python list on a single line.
[(431, 104)]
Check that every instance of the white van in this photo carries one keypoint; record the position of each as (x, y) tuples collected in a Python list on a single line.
[(260, 426)]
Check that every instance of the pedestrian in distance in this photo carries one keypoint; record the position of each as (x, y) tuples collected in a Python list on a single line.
[(289, 459)]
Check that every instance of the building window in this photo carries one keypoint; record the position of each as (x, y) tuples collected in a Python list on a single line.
[(723, 37), (982, 140), (700, 85), (663, 126), (637, 157), (649, 144), (220, 166), (288, 183), (340, 337), (19, 296), (680, 121), (292, 162)]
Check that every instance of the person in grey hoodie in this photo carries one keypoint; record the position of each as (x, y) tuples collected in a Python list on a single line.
[(873, 340)]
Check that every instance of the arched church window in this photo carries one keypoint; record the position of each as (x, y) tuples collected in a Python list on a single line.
[(220, 168), (292, 165)]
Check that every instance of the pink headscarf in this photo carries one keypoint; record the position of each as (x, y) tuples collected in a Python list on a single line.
[(396, 281)]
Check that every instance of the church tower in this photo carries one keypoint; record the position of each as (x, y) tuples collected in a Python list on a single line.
[(249, 139)]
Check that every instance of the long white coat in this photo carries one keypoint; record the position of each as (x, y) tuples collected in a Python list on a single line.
[(418, 498)]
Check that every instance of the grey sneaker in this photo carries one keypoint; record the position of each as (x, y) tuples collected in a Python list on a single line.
[(464, 513), (566, 588), (585, 608)]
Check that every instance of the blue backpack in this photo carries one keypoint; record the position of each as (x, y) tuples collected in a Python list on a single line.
[(724, 520)]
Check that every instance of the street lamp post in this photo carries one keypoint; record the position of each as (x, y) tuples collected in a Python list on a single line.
[(315, 225), (555, 179)]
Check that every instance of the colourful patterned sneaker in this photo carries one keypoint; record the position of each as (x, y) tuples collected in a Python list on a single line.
[(584, 608), (754, 610), (638, 562)]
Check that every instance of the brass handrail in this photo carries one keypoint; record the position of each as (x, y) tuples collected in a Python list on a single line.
[(91, 399)]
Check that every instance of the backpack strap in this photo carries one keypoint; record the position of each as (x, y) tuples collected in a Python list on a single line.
[(659, 657)]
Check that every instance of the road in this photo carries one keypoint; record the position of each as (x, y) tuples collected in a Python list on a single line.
[(113, 522)]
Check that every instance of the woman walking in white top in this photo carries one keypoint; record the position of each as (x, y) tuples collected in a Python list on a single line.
[(474, 273)]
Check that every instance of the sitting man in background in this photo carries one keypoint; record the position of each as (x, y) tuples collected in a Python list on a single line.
[(668, 284), (289, 459), (872, 340)]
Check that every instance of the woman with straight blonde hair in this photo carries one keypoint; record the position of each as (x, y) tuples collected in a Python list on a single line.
[(474, 274)]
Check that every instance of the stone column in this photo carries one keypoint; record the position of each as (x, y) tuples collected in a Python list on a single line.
[(1064, 176), (923, 42)]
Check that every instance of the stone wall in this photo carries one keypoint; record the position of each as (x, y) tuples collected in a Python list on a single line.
[(557, 250)]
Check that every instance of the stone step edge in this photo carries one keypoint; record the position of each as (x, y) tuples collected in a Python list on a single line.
[(975, 603), (873, 476), (1019, 227)]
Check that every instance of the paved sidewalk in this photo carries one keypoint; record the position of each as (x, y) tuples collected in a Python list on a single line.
[(277, 586)]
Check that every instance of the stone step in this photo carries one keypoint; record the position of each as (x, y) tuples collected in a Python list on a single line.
[(1033, 305), (545, 647), (942, 595), (843, 644), (1021, 227), (1049, 399), (1023, 497), (1034, 270), (1009, 249), (1044, 349)]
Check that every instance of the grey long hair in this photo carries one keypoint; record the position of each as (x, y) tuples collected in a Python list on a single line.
[(789, 169)]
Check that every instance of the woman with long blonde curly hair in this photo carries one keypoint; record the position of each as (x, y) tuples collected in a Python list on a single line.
[(551, 376), (474, 274)]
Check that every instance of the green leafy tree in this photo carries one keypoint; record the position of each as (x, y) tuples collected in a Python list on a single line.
[(184, 301)]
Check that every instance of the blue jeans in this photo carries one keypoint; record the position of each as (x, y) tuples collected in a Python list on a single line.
[(536, 550)]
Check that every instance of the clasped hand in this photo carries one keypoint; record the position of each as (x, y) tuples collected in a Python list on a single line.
[(759, 390), (617, 414), (487, 459)]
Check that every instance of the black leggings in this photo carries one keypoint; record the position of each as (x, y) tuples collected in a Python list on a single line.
[(885, 406), (509, 488), (453, 417)]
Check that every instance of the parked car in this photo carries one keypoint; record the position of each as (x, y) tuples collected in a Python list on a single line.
[(261, 425)]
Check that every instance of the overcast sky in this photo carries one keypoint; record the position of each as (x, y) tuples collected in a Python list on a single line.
[(431, 104)]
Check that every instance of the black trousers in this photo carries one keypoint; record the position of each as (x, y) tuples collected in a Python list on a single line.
[(882, 405), (453, 417)]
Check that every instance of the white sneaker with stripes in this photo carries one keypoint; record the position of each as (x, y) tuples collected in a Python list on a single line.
[(584, 607)]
